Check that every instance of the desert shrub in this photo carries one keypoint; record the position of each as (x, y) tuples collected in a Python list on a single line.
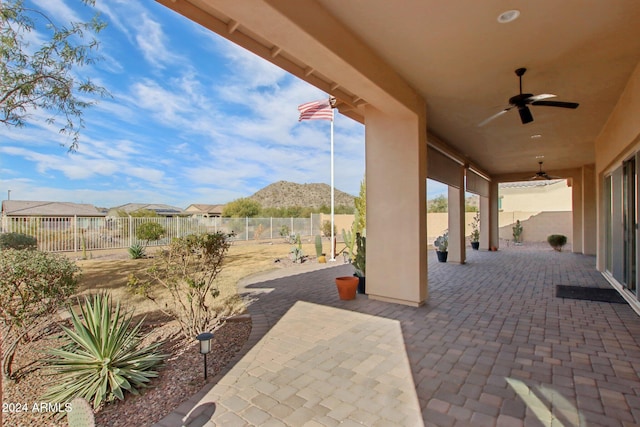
[(102, 356), (257, 233), (188, 271), (17, 241), (149, 232), (284, 231), (136, 251), (326, 228), (33, 286), (557, 241)]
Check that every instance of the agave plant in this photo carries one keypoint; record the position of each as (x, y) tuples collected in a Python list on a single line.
[(136, 251), (102, 357)]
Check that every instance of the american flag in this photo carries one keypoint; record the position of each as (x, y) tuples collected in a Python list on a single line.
[(316, 110)]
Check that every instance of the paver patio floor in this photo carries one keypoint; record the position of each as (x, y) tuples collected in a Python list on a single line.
[(492, 347)]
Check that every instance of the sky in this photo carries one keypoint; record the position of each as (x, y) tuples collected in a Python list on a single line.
[(192, 118)]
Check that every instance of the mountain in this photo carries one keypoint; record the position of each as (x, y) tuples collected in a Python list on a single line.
[(284, 194)]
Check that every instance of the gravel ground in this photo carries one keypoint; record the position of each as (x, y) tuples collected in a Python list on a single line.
[(180, 378)]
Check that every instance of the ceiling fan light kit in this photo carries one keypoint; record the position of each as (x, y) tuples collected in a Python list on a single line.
[(523, 100)]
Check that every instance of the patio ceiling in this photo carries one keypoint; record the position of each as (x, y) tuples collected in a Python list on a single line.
[(462, 61)]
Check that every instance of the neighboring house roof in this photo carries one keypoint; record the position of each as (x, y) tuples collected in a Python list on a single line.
[(160, 209), (529, 184), (198, 208), (35, 208)]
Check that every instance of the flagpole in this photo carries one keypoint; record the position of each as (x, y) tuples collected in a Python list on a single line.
[(333, 242)]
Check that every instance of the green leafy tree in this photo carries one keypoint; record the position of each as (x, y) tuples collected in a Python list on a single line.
[(438, 204), (240, 208), (44, 74), (361, 208), (150, 232)]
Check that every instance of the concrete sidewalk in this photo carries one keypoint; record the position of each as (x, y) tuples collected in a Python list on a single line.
[(492, 347)]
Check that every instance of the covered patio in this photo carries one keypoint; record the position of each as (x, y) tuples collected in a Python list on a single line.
[(492, 347), (442, 91)]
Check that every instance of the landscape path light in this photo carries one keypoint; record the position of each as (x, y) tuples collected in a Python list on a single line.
[(205, 347)]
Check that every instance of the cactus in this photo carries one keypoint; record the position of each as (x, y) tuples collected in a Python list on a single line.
[(360, 260), (349, 241), (296, 251), (318, 246), (81, 414)]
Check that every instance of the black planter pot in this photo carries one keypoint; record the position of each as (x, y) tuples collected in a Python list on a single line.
[(361, 284), (442, 256), (475, 245)]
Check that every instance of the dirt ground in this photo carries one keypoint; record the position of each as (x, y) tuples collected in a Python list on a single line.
[(182, 374)]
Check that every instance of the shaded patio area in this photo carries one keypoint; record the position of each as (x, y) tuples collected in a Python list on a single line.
[(492, 347)]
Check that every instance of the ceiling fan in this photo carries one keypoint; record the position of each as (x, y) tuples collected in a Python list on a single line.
[(541, 175), (522, 100)]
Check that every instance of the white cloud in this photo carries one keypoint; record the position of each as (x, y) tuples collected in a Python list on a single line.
[(58, 10), (152, 42)]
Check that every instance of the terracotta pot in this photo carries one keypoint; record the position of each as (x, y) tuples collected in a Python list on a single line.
[(347, 287)]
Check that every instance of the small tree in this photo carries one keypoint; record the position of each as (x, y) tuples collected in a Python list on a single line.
[(149, 232), (438, 204), (33, 286), (42, 73), (241, 208), (188, 271)]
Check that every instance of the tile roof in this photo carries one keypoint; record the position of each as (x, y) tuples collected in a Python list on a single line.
[(41, 208)]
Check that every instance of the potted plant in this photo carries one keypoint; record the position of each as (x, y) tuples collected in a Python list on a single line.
[(347, 286), (475, 231), (442, 244), (360, 261), (517, 232)]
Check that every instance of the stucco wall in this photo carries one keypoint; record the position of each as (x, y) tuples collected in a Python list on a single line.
[(537, 226), (554, 197), (623, 127)]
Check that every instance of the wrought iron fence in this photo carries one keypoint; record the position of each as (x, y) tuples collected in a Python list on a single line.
[(59, 234)]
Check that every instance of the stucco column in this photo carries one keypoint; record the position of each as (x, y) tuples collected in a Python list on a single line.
[(485, 222), (576, 207), (396, 176), (494, 232), (456, 222), (589, 210)]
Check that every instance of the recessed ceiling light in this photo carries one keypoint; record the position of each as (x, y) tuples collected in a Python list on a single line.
[(539, 157), (537, 135), (508, 16)]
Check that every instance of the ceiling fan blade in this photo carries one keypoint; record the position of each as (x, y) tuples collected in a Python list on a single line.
[(495, 116), (525, 114), (540, 97), (562, 104)]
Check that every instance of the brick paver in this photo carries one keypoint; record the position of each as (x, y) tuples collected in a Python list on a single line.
[(492, 347)]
